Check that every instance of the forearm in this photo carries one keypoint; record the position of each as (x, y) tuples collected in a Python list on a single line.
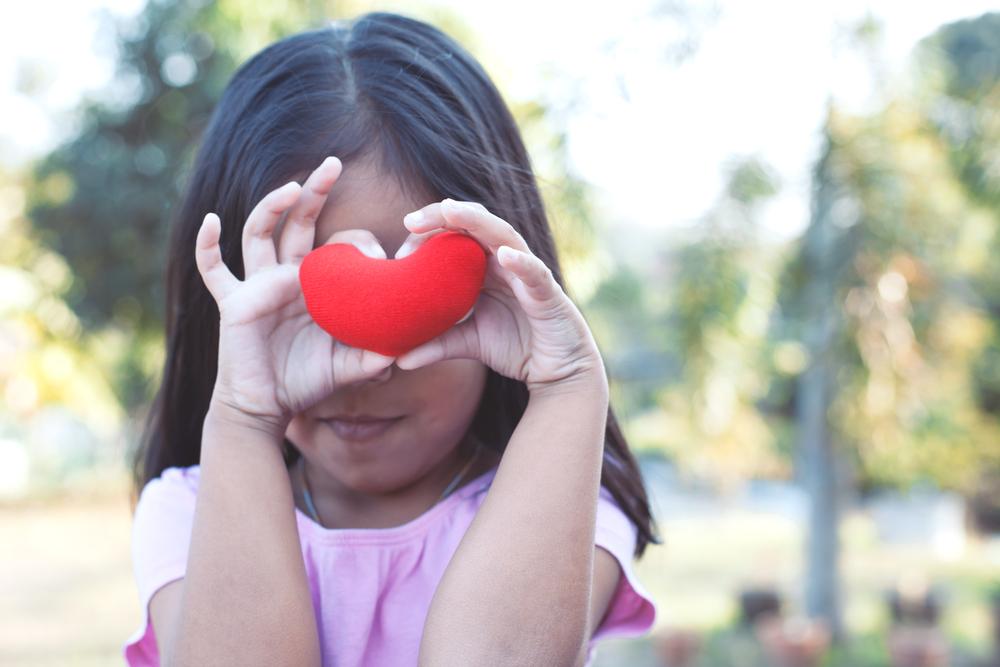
[(246, 598), (517, 590)]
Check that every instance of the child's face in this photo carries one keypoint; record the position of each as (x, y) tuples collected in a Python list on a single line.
[(437, 402)]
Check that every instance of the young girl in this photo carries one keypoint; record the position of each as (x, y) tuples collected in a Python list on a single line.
[(302, 502)]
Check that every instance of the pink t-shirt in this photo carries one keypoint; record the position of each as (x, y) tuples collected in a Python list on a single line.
[(371, 587)]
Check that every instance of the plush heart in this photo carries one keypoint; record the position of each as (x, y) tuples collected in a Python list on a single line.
[(392, 306)]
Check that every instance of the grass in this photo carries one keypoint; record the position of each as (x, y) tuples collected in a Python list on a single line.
[(69, 597), (704, 562)]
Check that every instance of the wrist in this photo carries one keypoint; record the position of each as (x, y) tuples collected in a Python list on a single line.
[(590, 383), (224, 411)]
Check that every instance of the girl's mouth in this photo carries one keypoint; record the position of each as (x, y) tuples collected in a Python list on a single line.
[(360, 428)]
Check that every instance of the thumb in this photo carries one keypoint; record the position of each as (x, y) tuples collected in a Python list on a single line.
[(459, 342), (373, 362)]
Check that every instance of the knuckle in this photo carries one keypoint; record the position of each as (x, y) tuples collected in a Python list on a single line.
[(314, 183), (272, 198), (307, 214)]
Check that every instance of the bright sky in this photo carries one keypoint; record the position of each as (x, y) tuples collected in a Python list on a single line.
[(757, 85)]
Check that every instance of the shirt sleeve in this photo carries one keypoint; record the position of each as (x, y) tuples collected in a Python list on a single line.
[(161, 537), (631, 611)]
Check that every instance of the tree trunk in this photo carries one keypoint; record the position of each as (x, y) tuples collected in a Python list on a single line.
[(815, 441)]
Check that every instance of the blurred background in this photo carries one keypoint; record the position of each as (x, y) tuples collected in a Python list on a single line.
[(778, 218)]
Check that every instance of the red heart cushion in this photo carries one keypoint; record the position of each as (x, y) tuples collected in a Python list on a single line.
[(392, 306)]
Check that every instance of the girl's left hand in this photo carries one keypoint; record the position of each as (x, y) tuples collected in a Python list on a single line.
[(523, 325)]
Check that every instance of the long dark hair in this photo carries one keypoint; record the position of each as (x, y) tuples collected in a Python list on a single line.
[(383, 86)]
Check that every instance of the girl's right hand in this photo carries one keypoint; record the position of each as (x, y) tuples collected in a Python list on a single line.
[(274, 360)]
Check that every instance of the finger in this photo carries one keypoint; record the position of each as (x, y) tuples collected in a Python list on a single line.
[(459, 342), (298, 231), (258, 244), (363, 239), (208, 258), (539, 283), (414, 241), (373, 363), (353, 364), (490, 230)]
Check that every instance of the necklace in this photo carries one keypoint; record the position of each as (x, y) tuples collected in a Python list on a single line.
[(307, 494)]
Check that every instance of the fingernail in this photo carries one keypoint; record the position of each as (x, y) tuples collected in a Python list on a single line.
[(504, 253), (414, 218), (376, 251)]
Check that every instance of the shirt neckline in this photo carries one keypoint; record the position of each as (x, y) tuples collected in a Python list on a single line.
[(391, 534)]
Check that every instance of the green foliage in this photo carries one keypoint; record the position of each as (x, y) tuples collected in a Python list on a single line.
[(752, 181), (971, 49), (962, 97), (910, 326), (705, 344), (702, 362), (104, 199), (912, 219)]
